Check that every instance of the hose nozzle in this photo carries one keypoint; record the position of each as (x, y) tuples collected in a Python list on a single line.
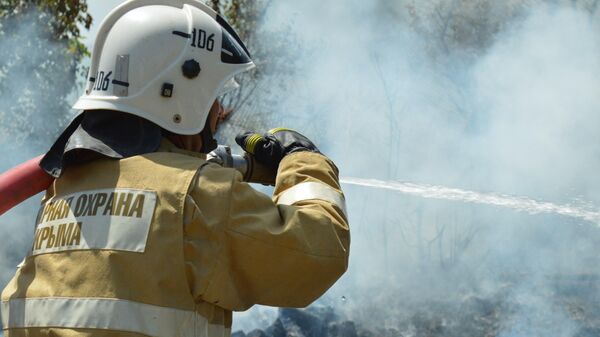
[(251, 170)]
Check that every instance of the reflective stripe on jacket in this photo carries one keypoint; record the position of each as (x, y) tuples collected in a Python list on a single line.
[(165, 244)]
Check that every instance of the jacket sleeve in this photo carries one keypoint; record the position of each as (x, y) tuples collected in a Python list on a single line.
[(244, 248)]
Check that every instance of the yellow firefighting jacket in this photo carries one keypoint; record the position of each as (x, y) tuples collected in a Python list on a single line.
[(166, 244)]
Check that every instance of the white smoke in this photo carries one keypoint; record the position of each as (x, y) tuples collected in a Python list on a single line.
[(517, 116), (27, 127), (26, 130)]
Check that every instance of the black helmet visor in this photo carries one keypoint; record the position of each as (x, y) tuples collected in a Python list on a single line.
[(233, 50)]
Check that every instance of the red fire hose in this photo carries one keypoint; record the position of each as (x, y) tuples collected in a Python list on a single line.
[(22, 182)]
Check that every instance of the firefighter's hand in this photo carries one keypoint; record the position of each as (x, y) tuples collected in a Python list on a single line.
[(270, 148)]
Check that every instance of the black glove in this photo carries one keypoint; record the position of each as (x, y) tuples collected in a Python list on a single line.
[(270, 148)]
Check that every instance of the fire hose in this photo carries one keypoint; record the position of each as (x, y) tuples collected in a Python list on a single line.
[(22, 182), (28, 179)]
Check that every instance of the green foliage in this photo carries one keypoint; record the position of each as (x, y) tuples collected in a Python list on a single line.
[(62, 17), (40, 54)]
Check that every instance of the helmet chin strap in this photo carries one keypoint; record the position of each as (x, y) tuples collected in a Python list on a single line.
[(209, 142)]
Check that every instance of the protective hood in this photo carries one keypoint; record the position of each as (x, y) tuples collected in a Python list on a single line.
[(96, 134)]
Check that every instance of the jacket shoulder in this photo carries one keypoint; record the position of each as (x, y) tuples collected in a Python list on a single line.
[(165, 161)]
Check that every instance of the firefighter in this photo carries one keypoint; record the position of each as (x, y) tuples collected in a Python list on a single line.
[(140, 235)]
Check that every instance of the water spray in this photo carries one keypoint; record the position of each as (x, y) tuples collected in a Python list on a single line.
[(518, 203)]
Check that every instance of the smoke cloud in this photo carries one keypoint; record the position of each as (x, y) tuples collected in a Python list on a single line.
[(503, 101), (33, 83), (387, 92)]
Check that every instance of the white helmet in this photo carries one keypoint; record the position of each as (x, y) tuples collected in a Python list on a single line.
[(165, 61)]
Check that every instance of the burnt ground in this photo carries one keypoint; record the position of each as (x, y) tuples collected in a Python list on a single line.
[(566, 306)]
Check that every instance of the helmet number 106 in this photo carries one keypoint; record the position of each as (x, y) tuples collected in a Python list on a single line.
[(201, 40), (102, 81)]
